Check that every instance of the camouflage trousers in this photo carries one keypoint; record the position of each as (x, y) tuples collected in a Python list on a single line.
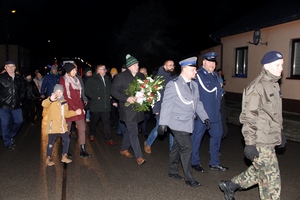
[(264, 171)]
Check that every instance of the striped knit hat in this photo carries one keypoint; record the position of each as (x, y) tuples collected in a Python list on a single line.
[(130, 60)]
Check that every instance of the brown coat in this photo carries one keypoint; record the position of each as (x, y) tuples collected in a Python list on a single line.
[(57, 112)]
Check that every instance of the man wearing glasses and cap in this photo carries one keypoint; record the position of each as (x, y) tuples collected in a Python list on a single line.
[(210, 95), (180, 103)]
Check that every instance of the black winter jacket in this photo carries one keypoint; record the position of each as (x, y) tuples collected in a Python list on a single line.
[(12, 91), (32, 92), (120, 84), (98, 93)]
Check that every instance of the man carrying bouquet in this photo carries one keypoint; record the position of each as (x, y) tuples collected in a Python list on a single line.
[(128, 114)]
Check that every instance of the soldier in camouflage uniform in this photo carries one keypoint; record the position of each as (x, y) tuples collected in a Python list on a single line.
[(261, 117)]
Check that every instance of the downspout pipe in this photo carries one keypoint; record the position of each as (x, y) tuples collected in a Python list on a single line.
[(218, 41)]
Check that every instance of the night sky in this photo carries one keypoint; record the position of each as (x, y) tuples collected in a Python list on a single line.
[(86, 29)]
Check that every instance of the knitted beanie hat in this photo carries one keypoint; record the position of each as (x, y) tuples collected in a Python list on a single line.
[(113, 71), (88, 69), (69, 66), (130, 60), (58, 87), (53, 67), (27, 74)]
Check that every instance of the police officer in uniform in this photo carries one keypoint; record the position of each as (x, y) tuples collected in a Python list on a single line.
[(210, 95), (180, 103)]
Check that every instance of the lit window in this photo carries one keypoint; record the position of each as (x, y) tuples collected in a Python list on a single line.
[(241, 62), (294, 70)]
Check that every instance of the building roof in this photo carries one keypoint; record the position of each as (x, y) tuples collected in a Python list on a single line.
[(272, 13)]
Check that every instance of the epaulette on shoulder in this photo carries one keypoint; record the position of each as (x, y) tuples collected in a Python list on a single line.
[(175, 79)]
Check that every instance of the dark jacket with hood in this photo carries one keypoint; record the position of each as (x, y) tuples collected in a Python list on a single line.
[(50, 80)]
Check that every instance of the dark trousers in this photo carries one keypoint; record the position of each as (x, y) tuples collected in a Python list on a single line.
[(224, 116), (181, 150), (130, 138), (29, 110), (114, 116), (11, 122), (215, 133), (51, 139), (94, 120), (39, 108), (121, 128), (144, 124)]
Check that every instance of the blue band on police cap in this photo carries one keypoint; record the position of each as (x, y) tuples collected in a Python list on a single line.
[(189, 61)]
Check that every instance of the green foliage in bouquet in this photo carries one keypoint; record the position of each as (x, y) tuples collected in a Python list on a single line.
[(146, 92)]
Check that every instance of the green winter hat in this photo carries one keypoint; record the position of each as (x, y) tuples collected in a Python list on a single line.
[(130, 60)]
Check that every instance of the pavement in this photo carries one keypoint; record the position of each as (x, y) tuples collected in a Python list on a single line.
[(291, 121), (108, 175)]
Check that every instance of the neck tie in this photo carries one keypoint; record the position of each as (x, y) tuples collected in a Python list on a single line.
[(189, 84)]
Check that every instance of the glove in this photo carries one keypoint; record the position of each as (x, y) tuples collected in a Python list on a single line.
[(161, 129), (207, 123), (283, 140), (251, 152)]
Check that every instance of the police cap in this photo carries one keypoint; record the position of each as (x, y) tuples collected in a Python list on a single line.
[(211, 56), (192, 61)]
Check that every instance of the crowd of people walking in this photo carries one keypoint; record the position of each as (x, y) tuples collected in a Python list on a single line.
[(188, 107)]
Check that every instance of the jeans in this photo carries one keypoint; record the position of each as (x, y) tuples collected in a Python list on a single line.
[(51, 140), (143, 125), (11, 122), (87, 114), (153, 135), (121, 128)]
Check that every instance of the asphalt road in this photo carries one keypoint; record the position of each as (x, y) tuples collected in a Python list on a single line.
[(109, 175)]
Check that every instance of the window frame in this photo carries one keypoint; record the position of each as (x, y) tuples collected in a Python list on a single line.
[(295, 49), (241, 59)]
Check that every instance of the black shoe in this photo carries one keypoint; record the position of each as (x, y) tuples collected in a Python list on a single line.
[(193, 183), (228, 188), (198, 168), (218, 168), (177, 177), (84, 154), (10, 147)]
